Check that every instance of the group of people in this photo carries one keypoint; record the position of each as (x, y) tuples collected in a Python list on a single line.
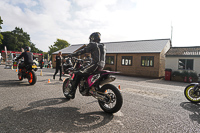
[(95, 48)]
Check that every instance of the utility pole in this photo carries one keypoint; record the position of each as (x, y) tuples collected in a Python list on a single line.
[(171, 32)]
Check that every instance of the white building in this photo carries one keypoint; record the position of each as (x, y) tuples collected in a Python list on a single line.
[(183, 58)]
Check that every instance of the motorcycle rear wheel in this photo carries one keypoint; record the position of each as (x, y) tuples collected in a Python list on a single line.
[(32, 78), (115, 99), (190, 95), (20, 76), (67, 88)]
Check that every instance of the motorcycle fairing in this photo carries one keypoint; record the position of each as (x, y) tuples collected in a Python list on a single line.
[(92, 79), (98, 76)]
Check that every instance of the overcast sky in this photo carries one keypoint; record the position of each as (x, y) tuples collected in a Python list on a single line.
[(116, 20)]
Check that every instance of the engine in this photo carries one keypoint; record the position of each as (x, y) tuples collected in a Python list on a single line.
[(83, 87)]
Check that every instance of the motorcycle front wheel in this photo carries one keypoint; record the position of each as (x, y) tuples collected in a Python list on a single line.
[(192, 96), (32, 78), (114, 100), (67, 88)]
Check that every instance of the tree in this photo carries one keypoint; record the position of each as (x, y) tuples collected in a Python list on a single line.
[(23, 37), (17, 39), (58, 45), (10, 41), (1, 36), (34, 49)]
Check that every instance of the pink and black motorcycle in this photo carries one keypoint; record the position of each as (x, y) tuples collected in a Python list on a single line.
[(109, 97)]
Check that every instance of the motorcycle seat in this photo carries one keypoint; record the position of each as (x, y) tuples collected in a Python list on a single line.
[(101, 72)]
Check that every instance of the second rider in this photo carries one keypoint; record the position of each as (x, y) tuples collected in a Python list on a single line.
[(98, 53)]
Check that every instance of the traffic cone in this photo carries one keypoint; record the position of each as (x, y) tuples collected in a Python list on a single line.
[(16, 70), (41, 73), (119, 87), (49, 81)]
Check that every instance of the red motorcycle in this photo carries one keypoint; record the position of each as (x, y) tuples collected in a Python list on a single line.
[(109, 96)]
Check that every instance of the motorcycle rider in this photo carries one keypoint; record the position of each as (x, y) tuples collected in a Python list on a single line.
[(28, 57), (98, 52)]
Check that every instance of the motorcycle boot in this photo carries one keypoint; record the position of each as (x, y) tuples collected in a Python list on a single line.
[(74, 82)]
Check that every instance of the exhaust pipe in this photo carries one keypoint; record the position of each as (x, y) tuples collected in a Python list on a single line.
[(108, 80)]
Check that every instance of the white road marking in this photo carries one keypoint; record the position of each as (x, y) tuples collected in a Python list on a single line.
[(151, 87), (119, 113), (120, 123), (144, 93)]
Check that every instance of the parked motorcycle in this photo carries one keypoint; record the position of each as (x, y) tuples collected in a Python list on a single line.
[(192, 92), (109, 97), (67, 65), (27, 72)]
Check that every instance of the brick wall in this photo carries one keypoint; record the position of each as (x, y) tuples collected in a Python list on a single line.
[(158, 70), (136, 69)]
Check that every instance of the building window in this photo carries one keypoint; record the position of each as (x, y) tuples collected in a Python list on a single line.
[(185, 64), (127, 60), (110, 60), (147, 61)]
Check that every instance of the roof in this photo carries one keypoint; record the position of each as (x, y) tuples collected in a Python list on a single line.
[(183, 51), (141, 46), (69, 49)]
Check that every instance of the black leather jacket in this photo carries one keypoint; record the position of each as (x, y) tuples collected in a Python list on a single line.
[(28, 58), (98, 53)]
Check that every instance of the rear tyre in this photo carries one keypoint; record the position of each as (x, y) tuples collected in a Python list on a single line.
[(191, 95), (115, 99), (20, 76), (32, 78), (67, 88)]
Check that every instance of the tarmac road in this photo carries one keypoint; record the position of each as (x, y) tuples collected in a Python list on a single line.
[(150, 105)]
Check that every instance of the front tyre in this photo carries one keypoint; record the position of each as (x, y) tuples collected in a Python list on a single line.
[(114, 100), (32, 78), (191, 95), (67, 88)]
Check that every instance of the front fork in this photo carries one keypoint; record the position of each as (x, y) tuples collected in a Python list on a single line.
[(196, 87)]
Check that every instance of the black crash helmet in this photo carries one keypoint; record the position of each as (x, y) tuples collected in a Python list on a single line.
[(95, 37), (27, 48)]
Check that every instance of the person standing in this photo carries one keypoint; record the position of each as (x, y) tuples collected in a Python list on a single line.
[(58, 60)]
